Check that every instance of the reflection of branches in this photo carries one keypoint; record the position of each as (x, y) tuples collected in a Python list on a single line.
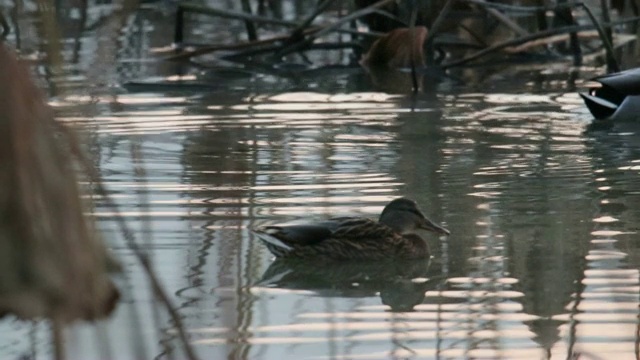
[(573, 325), (302, 35), (78, 38), (435, 27), (327, 29), (560, 7), (637, 340), (51, 33), (532, 37)]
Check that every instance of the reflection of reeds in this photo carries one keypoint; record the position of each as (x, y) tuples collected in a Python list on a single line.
[(52, 263)]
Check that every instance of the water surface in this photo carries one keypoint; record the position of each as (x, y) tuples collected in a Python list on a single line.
[(542, 260)]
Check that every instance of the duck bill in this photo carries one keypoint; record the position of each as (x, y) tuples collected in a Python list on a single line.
[(431, 226)]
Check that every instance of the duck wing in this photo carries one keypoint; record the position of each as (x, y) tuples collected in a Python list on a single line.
[(291, 235), (354, 228), (351, 228)]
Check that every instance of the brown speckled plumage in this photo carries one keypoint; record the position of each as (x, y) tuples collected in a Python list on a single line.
[(352, 238)]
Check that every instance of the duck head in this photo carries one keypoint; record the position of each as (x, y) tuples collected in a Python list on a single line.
[(404, 217)]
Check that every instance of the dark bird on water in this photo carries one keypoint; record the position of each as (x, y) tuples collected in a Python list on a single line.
[(355, 238), (618, 97)]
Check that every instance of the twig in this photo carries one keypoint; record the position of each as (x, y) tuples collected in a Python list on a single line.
[(506, 21), (573, 41), (435, 28), (412, 37), (371, 9), (274, 48), (541, 17), (51, 32), (524, 39), (178, 28), (252, 34), (204, 10), (587, 34), (252, 45), (354, 15), (604, 7), (299, 32), (491, 10), (307, 22), (212, 48), (611, 61), (478, 38), (526, 9), (565, 17), (57, 337)]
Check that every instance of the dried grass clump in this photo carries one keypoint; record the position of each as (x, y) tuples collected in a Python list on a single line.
[(52, 262)]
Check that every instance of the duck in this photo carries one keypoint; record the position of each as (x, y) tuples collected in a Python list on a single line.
[(355, 238), (618, 97)]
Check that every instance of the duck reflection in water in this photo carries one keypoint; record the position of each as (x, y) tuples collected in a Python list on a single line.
[(401, 285)]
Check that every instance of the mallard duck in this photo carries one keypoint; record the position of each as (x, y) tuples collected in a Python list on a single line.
[(617, 99), (355, 238)]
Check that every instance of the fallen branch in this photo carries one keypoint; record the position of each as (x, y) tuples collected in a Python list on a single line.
[(435, 29), (532, 37), (325, 30), (205, 10)]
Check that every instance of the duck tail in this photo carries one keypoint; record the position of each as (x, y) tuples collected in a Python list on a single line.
[(269, 235)]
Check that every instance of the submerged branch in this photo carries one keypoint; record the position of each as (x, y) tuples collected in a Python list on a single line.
[(524, 9), (205, 10), (435, 28), (302, 35), (606, 40), (521, 40), (327, 29)]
